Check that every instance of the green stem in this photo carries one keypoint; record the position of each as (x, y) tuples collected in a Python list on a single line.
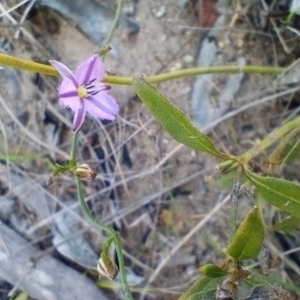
[(228, 165), (106, 245), (287, 21), (73, 153), (230, 69), (114, 24), (114, 235), (23, 64), (271, 139)]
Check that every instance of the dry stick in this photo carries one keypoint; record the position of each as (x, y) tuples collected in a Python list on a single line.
[(233, 208), (251, 104), (6, 12), (27, 131)]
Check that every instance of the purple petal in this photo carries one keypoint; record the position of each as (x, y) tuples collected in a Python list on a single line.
[(90, 69), (68, 95), (79, 118), (108, 102), (64, 71), (72, 102), (102, 106)]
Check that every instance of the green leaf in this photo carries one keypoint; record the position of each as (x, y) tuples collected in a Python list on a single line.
[(286, 225), (281, 193), (22, 296), (294, 153), (212, 271), (274, 280), (288, 148), (255, 281), (173, 120), (202, 285), (210, 295), (224, 181), (249, 237)]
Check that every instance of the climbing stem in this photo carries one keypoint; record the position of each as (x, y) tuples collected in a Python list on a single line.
[(114, 24), (11, 61), (270, 139), (113, 234)]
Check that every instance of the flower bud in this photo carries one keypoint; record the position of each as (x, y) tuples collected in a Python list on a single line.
[(85, 172), (106, 268)]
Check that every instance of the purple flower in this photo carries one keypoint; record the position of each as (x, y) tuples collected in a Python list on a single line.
[(84, 92)]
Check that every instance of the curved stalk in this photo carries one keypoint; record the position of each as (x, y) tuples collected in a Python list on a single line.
[(114, 235), (112, 232)]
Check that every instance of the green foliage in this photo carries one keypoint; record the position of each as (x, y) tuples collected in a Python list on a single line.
[(281, 193), (23, 296), (212, 271), (286, 225), (172, 119), (288, 149), (202, 287), (288, 19), (272, 280), (255, 281), (294, 153), (225, 181), (249, 237), (210, 295)]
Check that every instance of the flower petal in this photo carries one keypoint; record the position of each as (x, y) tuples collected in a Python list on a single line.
[(79, 118), (102, 106), (90, 69), (64, 71), (108, 102), (74, 103)]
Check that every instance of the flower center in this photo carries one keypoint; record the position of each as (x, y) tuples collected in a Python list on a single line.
[(92, 88), (82, 92)]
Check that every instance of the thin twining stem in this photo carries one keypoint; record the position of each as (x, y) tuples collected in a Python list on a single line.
[(114, 24), (113, 234), (31, 66), (270, 139)]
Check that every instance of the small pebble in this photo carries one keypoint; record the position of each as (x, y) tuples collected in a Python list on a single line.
[(177, 66), (221, 45), (129, 9), (161, 12), (188, 59), (132, 27), (240, 43)]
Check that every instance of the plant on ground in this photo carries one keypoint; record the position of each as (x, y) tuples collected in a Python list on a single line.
[(86, 92)]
